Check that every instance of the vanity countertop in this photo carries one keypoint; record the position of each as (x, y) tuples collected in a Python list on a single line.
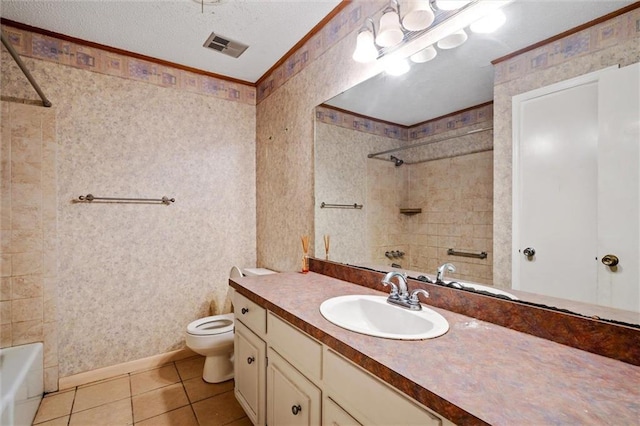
[(477, 373)]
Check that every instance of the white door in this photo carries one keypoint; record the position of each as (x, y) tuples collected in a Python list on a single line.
[(619, 188), (576, 189), (557, 165)]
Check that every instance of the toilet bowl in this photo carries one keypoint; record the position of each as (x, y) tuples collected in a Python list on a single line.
[(212, 337)]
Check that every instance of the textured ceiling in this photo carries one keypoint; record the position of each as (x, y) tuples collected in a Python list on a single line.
[(175, 30)]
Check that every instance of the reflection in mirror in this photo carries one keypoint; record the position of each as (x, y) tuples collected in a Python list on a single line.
[(422, 166)]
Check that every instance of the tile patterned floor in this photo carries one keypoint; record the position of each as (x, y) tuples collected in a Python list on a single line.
[(172, 395)]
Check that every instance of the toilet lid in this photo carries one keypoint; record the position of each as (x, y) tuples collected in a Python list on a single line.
[(208, 326), (235, 272)]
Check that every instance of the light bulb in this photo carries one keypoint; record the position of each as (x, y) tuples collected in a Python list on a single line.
[(419, 15), (390, 32), (424, 55), (396, 67), (366, 50), (489, 23), (453, 40)]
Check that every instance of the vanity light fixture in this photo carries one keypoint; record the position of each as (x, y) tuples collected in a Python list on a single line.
[(366, 50), (396, 66), (414, 34), (390, 32), (453, 40), (418, 16), (424, 55)]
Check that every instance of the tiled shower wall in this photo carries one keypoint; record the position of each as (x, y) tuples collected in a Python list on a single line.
[(29, 230), (132, 276)]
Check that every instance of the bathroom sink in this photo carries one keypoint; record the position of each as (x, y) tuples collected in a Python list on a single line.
[(372, 315)]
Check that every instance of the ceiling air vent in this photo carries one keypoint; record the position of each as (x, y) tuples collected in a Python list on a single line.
[(225, 45)]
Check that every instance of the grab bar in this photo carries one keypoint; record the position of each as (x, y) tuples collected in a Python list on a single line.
[(89, 198), (340, 206), (481, 255)]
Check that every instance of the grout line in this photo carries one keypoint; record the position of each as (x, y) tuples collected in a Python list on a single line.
[(133, 420), (75, 393)]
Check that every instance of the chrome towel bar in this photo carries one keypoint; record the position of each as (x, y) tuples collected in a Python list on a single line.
[(89, 198), (340, 206), (481, 255)]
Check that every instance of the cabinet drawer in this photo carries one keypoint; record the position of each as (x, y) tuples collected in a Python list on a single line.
[(334, 415), (250, 314), (300, 350), (379, 404)]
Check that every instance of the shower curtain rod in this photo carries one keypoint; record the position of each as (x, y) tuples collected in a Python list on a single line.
[(25, 71), (416, 145)]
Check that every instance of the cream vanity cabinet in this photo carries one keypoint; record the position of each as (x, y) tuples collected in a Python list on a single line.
[(285, 377), (250, 357)]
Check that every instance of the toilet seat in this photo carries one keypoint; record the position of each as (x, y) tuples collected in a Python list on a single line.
[(217, 324)]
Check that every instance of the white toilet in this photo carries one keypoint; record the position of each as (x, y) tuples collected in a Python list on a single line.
[(212, 337)]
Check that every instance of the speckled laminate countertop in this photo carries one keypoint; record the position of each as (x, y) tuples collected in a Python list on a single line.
[(476, 373)]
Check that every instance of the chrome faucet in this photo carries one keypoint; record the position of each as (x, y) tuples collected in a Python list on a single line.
[(441, 269), (399, 294)]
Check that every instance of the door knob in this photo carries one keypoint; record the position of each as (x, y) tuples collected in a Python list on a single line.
[(610, 260), (529, 251)]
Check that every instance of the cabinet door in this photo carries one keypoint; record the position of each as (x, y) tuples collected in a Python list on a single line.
[(249, 369), (291, 398)]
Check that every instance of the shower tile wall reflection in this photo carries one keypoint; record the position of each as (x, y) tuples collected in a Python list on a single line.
[(453, 185)]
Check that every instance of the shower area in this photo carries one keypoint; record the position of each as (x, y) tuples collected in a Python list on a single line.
[(426, 194)]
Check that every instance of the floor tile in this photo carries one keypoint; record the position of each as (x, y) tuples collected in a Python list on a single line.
[(181, 417), (154, 379), (218, 410), (190, 367), (60, 421), (242, 422), (158, 401), (112, 414), (54, 406), (101, 393), (197, 389)]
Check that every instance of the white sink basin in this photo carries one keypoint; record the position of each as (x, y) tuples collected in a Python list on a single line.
[(372, 315)]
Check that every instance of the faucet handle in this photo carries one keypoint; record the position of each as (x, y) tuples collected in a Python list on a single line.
[(393, 294), (413, 300)]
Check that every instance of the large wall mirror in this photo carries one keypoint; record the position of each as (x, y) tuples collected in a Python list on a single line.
[(404, 165)]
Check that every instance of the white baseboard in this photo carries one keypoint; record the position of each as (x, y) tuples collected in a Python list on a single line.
[(124, 368)]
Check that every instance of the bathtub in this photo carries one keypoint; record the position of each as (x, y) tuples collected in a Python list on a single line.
[(21, 384)]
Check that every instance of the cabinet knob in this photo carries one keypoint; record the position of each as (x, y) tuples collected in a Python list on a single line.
[(610, 260), (529, 251), (250, 360), (244, 310), (296, 409)]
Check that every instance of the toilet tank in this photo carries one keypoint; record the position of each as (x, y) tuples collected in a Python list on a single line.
[(253, 272)]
